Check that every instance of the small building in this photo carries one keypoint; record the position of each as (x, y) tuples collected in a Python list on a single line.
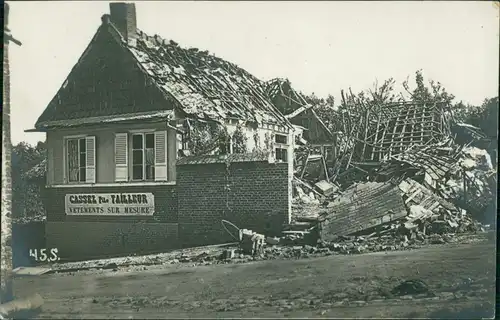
[(129, 109)]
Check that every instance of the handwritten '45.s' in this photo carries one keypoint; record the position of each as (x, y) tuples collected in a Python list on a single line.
[(44, 255)]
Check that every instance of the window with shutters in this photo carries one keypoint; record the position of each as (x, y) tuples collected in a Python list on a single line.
[(76, 160), (141, 156), (80, 159)]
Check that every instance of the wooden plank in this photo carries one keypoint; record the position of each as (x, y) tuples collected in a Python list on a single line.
[(417, 192), (392, 137), (365, 135), (382, 149), (434, 206), (324, 167), (402, 142)]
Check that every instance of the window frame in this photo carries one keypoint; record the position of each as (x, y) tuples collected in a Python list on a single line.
[(283, 150), (66, 167), (143, 134), (279, 145)]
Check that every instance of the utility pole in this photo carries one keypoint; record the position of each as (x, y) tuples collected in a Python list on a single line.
[(8, 306), (6, 222)]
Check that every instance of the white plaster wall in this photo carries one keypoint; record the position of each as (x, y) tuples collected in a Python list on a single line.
[(104, 150), (249, 132)]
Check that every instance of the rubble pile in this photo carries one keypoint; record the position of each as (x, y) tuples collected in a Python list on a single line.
[(396, 183)]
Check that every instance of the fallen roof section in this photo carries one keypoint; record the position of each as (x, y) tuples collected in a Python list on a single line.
[(362, 207)]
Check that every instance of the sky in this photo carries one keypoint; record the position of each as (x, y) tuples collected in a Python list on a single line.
[(321, 47)]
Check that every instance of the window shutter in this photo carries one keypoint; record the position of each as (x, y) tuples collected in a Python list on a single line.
[(160, 155), (90, 161), (121, 157)]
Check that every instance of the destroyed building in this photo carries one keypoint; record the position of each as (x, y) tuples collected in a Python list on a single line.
[(399, 169), (316, 146), (130, 108), (300, 112)]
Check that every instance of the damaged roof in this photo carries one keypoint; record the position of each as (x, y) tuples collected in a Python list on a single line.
[(206, 86), (297, 109), (201, 84)]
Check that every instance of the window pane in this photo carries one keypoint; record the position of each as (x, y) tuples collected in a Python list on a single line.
[(150, 172), (83, 159), (82, 174), (83, 146), (137, 157), (280, 139), (73, 164), (150, 156), (150, 140), (137, 172), (281, 154), (137, 141)]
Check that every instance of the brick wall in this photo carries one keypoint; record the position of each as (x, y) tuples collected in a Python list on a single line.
[(252, 195), (89, 236), (87, 240)]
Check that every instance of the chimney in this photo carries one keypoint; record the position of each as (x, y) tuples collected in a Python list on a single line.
[(122, 15)]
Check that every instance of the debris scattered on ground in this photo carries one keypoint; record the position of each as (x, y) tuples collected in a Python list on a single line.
[(251, 243), (410, 287), (228, 254), (111, 266), (388, 238)]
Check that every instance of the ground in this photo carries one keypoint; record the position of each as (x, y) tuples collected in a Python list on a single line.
[(461, 278)]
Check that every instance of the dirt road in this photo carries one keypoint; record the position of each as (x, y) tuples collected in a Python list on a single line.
[(461, 276)]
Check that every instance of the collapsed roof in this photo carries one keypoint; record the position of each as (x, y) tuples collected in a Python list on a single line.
[(379, 132), (298, 110)]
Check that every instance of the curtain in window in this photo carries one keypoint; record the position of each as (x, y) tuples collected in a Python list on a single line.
[(150, 164), (73, 164), (150, 157)]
